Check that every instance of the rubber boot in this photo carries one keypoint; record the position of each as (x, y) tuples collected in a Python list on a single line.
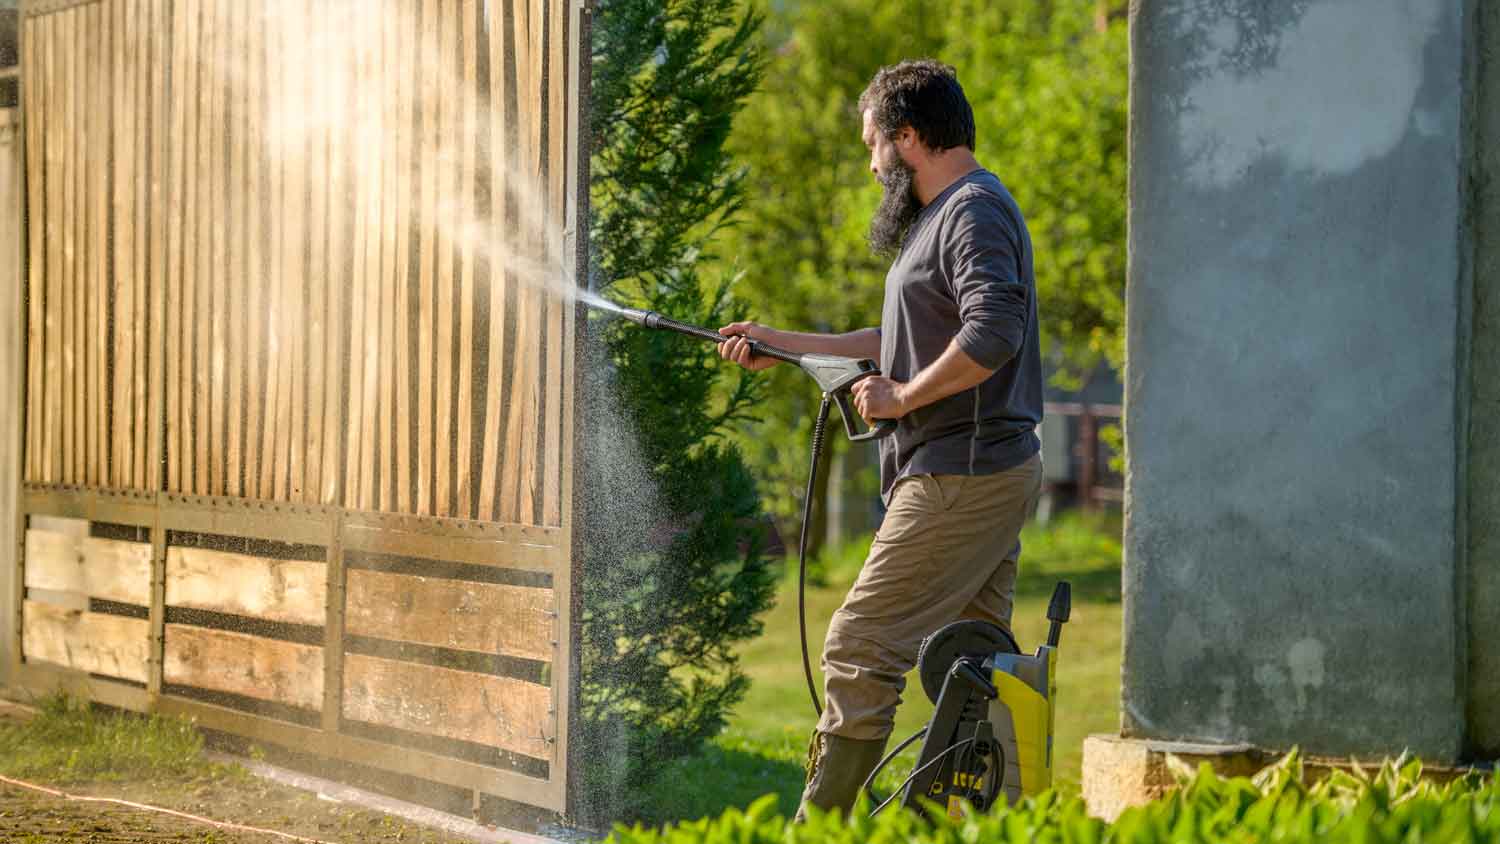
[(836, 768)]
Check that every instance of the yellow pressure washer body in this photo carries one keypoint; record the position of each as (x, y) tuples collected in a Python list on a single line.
[(990, 737)]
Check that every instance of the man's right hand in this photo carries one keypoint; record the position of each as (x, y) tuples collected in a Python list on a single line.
[(737, 349)]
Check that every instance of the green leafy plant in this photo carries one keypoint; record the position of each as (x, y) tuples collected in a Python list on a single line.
[(1395, 804)]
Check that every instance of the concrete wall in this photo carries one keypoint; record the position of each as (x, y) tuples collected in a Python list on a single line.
[(1297, 389), (1484, 415)]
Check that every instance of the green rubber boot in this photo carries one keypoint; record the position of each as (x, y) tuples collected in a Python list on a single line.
[(836, 768)]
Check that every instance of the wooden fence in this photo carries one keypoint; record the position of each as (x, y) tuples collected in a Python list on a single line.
[(297, 411)]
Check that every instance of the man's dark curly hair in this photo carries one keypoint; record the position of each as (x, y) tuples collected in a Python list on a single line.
[(925, 95)]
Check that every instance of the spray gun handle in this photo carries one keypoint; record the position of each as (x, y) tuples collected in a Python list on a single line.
[(881, 429)]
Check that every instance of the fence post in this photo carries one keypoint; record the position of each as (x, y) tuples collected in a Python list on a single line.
[(1088, 470), (333, 628), (12, 357)]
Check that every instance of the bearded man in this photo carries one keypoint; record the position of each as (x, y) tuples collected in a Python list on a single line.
[(958, 349)]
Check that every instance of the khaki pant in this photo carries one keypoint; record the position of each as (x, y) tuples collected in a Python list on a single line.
[(948, 549)]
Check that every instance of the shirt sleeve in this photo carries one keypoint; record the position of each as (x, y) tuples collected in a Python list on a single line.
[(981, 252)]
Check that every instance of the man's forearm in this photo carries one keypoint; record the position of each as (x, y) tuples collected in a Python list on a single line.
[(953, 372), (864, 343)]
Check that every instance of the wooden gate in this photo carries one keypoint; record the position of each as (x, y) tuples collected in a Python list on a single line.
[(297, 409)]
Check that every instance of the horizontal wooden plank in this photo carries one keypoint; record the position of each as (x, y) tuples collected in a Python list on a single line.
[(483, 617), (53, 561), (74, 528), (226, 661), (113, 569), (548, 794), (117, 570), (40, 679), (90, 505), (480, 708), (293, 591), (93, 642), (483, 552), (250, 520)]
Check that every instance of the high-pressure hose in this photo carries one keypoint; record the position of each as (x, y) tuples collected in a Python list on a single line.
[(812, 480)]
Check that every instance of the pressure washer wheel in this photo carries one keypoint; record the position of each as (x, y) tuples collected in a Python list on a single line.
[(967, 638)]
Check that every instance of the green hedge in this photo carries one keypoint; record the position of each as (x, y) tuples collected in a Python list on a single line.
[(1392, 805)]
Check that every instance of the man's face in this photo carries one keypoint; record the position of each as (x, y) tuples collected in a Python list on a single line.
[(898, 202)]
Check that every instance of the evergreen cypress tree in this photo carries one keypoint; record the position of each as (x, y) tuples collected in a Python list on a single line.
[(674, 574)]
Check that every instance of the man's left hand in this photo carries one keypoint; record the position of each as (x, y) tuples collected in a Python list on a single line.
[(878, 397)]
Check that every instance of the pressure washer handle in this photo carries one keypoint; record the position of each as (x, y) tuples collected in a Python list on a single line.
[(880, 430)]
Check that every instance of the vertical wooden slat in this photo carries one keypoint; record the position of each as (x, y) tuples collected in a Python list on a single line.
[(365, 209), (297, 192), (406, 140), (468, 216), (191, 243), (276, 457), (84, 344), (556, 305), (122, 98), (135, 456), (178, 262), (68, 54), (427, 219), (520, 449), (99, 242), (205, 324), (445, 160), (499, 234), (148, 444), (77, 222), (342, 100), (384, 111), (321, 105), (96, 141), (236, 115), (35, 115), (218, 282), (57, 310), (259, 277)]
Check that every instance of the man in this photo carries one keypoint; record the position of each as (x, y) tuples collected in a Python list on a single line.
[(958, 349)]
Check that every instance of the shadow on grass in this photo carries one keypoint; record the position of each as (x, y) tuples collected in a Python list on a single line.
[(721, 776)]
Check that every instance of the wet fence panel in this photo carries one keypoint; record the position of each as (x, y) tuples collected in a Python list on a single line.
[(296, 442)]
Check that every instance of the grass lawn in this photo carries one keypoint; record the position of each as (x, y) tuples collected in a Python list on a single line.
[(764, 747)]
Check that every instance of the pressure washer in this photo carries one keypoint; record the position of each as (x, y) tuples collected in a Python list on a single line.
[(990, 736)]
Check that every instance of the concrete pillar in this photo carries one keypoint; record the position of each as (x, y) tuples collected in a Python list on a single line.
[(1312, 549)]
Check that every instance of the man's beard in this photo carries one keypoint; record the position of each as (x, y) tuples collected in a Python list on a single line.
[(898, 208)]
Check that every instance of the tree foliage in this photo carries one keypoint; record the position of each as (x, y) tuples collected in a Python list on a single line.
[(1048, 83), (673, 571)]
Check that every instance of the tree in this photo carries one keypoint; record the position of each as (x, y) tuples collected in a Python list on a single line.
[(673, 570), (1048, 82), (800, 242)]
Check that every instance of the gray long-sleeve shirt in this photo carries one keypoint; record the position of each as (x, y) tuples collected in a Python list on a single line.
[(964, 273)]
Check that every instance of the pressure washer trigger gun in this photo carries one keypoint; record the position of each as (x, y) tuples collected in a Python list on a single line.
[(836, 376)]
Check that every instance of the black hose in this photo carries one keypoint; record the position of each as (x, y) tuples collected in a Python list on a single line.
[(914, 774), (880, 766), (807, 500)]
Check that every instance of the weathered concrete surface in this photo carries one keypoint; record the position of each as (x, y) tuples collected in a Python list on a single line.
[(1484, 409), (1298, 297)]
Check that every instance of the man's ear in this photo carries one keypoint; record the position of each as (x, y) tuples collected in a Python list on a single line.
[(906, 138)]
